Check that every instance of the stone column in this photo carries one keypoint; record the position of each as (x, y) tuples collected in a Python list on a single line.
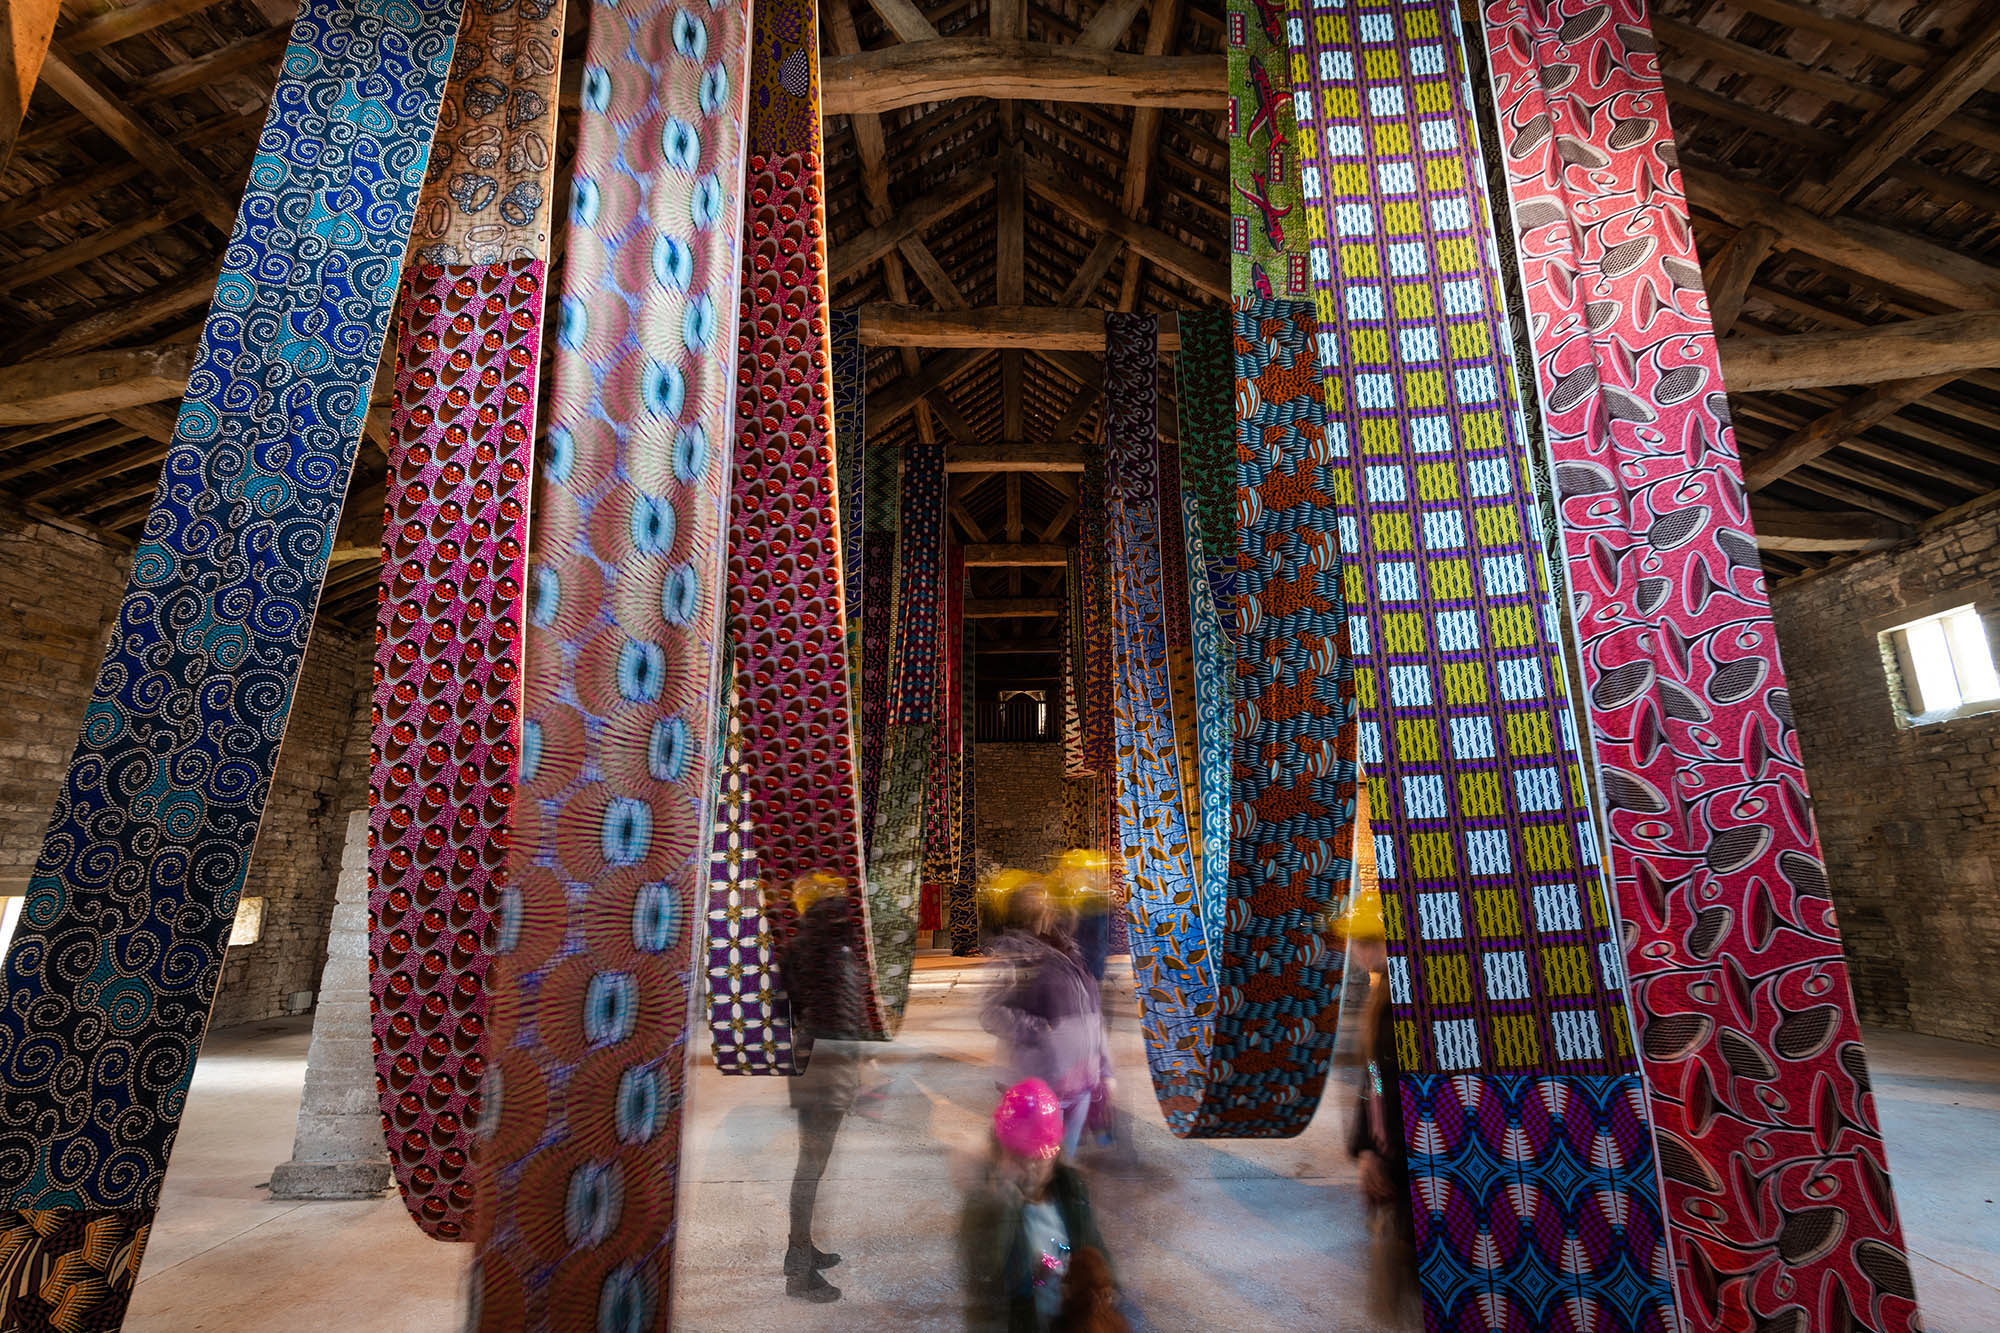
[(339, 1152)]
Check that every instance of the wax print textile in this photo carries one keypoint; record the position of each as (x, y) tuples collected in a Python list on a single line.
[(445, 718), (1501, 965), (1776, 1180), (850, 442), (961, 901), (749, 1011), (609, 867), (1238, 1002), (127, 913), (1266, 229), (786, 598)]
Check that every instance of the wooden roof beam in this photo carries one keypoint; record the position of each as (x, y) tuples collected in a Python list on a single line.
[(1835, 428), (1012, 608), (901, 394), (1108, 26), (1942, 345), (1012, 458), (129, 21), (1896, 259), (93, 382), (1043, 328), (1100, 214), (25, 29), (914, 73), (1783, 528), (1016, 555), (905, 20), (911, 220), (152, 152)]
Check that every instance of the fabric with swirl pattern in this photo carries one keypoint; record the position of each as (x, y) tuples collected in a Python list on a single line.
[(609, 868), (1775, 1166), (447, 683), (127, 914)]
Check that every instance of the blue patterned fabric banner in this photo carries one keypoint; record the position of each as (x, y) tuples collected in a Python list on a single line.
[(121, 940)]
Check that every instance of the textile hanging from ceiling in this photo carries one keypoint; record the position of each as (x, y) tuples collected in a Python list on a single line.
[(446, 712), (609, 865), (1773, 1162), (1266, 228), (1096, 689), (944, 833), (114, 965), (1207, 520), (850, 442), (749, 1012), (962, 903), (1239, 998), (786, 598), (1512, 1041)]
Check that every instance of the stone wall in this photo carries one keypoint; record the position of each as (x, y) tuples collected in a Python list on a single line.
[(1909, 816), (1018, 795), (59, 596)]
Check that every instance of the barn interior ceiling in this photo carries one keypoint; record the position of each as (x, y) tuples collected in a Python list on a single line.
[(999, 170)]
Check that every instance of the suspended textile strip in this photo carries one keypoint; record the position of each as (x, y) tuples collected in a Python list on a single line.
[(1208, 522), (113, 968), (609, 866), (877, 634), (749, 1012), (1238, 1003), (1511, 1036), (941, 819), (1072, 666), (850, 442), (447, 701), (785, 593), (1775, 1169), (1266, 240), (961, 903)]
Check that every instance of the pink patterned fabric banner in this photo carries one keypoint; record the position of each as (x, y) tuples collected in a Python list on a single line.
[(1778, 1194)]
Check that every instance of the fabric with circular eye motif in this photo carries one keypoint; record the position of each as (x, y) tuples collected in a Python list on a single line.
[(608, 871), (126, 916), (1777, 1183), (445, 718)]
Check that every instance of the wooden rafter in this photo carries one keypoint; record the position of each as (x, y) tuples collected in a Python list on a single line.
[(1836, 428), (1048, 328), (914, 73), (1914, 348)]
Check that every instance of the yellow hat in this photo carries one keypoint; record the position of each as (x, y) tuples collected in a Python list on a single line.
[(1363, 918), (814, 886)]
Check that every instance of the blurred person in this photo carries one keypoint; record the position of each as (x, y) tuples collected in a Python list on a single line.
[(1080, 876), (1048, 1014), (823, 976), (1375, 1139), (1026, 1220)]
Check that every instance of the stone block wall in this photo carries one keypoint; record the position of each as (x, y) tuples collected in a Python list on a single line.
[(1909, 816), (59, 596), (1018, 795)]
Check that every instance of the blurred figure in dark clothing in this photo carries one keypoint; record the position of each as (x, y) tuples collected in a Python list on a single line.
[(822, 973), (1376, 1138), (1090, 1296), (1080, 877)]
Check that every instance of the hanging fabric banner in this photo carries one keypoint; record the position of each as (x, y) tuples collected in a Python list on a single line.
[(1776, 1178), (962, 902), (446, 713), (1207, 520), (883, 497), (152, 833), (786, 594), (850, 443), (1531, 1161), (1266, 230), (749, 1011), (609, 865), (1239, 1002)]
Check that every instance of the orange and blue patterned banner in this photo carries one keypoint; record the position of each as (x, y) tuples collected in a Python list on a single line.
[(1774, 1164), (1531, 1159), (126, 918), (609, 870), (1238, 989)]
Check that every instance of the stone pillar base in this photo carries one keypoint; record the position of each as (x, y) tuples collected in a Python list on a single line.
[(330, 1180)]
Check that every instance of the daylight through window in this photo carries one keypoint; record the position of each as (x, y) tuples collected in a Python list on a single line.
[(1947, 667)]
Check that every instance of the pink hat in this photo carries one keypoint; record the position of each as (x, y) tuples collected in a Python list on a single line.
[(1029, 1120)]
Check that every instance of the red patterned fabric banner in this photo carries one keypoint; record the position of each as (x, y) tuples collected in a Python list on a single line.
[(1777, 1187)]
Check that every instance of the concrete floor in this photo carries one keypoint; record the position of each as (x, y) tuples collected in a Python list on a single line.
[(1210, 1236)]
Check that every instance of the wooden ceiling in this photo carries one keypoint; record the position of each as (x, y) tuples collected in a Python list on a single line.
[(991, 182)]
